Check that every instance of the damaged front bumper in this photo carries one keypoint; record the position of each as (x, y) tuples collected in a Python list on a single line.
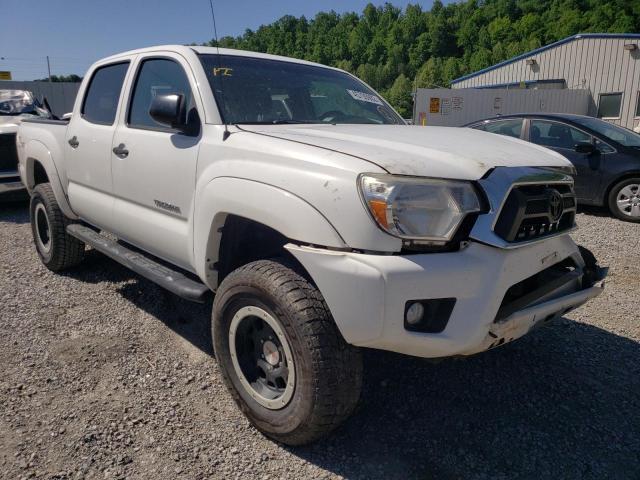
[(580, 286), (498, 295)]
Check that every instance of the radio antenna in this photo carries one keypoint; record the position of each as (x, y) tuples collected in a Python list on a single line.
[(226, 133)]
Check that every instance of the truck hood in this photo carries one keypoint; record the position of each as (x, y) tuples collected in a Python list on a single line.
[(445, 152)]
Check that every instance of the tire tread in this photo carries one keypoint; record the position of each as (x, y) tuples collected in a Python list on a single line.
[(337, 365), (69, 251)]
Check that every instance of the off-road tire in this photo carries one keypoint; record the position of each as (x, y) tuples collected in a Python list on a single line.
[(64, 250), (612, 199), (328, 371)]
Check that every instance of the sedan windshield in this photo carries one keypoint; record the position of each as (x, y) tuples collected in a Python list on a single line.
[(261, 91), (612, 132)]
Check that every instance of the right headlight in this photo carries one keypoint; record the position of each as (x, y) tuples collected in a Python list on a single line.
[(414, 208)]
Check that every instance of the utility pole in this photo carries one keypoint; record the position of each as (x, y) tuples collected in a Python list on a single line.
[(49, 68)]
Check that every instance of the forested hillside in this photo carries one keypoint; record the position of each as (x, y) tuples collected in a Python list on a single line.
[(395, 50)]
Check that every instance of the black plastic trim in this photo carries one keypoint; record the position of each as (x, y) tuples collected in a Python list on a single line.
[(50, 121), (437, 312), (525, 214), (172, 280)]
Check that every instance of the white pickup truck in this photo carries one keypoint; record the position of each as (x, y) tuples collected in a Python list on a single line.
[(322, 222)]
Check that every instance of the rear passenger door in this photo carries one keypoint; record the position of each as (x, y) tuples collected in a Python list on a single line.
[(88, 144), (154, 182), (563, 138)]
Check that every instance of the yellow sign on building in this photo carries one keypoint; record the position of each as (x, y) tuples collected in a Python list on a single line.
[(434, 105), (4, 75)]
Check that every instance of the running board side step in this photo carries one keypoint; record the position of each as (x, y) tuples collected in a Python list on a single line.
[(172, 280)]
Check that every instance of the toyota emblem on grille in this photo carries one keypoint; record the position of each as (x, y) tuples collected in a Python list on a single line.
[(556, 206)]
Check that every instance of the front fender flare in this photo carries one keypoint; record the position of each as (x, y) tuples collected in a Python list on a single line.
[(274, 207)]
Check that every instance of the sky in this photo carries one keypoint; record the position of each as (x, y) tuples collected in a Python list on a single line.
[(75, 33)]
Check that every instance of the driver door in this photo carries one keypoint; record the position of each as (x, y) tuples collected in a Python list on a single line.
[(154, 166)]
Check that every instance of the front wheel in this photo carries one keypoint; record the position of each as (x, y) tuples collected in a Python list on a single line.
[(281, 354), (624, 200)]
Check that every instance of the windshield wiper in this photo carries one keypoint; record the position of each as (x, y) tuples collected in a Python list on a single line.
[(276, 122)]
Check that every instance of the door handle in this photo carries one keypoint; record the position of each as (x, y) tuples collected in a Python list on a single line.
[(73, 141), (121, 150)]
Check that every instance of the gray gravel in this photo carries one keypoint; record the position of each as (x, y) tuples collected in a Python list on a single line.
[(105, 375)]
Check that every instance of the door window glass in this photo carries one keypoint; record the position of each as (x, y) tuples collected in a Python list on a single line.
[(603, 147), (510, 127), (556, 135), (158, 76), (101, 100), (609, 105)]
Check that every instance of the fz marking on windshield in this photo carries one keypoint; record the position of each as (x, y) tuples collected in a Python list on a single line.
[(223, 72)]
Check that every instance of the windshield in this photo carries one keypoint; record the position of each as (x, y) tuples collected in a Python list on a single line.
[(260, 91), (612, 132), (19, 102)]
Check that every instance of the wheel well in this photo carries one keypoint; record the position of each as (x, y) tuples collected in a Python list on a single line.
[(615, 182), (244, 241), (39, 174)]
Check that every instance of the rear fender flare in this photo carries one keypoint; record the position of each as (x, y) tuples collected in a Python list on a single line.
[(37, 152)]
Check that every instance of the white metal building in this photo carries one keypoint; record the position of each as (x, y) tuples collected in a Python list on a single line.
[(607, 65), (460, 106)]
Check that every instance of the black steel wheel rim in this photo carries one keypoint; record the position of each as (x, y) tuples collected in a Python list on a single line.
[(261, 357)]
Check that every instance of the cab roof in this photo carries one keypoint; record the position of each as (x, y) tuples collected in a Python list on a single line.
[(212, 51)]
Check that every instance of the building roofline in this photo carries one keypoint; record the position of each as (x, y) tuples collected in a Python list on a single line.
[(542, 49)]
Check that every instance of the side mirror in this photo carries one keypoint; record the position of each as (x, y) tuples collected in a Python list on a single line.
[(66, 116), (587, 148), (169, 110)]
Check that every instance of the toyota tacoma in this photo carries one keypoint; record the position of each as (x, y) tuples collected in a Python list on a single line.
[(318, 218)]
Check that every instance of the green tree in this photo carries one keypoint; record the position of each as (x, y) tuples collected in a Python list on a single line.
[(390, 48), (399, 96), (62, 78), (431, 74)]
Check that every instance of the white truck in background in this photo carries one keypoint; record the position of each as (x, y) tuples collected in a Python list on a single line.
[(320, 220)]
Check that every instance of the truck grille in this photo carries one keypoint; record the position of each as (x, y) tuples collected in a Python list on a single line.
[(8, 153), (535, 211)]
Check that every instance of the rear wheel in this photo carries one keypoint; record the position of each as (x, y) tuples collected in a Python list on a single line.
[(281, 354), (624, 200), (57, 249)]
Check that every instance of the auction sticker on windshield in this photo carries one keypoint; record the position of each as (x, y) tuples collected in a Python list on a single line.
[(365, 97)]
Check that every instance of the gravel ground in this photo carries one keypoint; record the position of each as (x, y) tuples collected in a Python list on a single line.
[(105, 375)]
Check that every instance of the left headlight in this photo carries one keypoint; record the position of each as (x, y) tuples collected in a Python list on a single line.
[(418, 208)]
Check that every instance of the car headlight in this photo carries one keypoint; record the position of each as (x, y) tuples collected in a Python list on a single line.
[(418, 208)]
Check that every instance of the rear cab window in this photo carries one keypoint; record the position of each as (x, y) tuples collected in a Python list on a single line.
[(101, 99)]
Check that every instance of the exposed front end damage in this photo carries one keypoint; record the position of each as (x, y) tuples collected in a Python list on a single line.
[(493, 290), (547, 295)]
